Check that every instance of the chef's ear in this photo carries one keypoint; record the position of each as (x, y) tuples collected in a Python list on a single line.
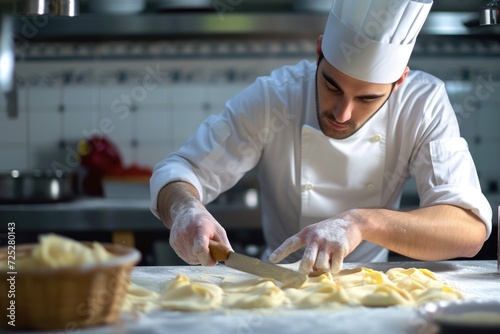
[(401, 79), (318, 47)]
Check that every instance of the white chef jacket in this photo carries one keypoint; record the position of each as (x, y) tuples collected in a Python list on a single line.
[(306, 177)]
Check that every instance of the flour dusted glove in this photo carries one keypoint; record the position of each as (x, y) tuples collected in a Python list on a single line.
[(193, 226), (327, 244)]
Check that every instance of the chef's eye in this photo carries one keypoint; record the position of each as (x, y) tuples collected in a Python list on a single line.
[(332, 89), (366, 101)]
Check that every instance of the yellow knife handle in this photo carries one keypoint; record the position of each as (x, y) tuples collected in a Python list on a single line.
[(218, 251)]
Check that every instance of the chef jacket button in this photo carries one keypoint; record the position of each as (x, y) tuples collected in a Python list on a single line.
[(308, 186), (376, 138), (370, 186)]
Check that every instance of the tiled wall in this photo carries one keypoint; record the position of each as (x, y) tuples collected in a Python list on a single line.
[(146, 104), (152, 96), (473, 86)]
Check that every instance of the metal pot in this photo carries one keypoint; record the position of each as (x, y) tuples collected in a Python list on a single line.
[(37, 186)]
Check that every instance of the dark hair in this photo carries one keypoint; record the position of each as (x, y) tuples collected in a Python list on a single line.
[(321, 56)]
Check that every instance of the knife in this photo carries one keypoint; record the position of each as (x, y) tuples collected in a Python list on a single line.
[(289, 278)]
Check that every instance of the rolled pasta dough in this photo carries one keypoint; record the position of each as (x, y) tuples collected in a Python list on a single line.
[(251, 293), (54, 251), (183, 295)]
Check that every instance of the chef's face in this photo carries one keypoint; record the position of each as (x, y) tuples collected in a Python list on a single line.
[(345, 104)]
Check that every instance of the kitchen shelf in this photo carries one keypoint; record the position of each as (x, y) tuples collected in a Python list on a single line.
[(199, 25), (173, 25)]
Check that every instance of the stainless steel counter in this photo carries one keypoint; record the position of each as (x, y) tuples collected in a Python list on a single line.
[(108, 214), (477, 280)]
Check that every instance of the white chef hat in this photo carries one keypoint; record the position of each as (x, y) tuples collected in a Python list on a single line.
[(372, 40)]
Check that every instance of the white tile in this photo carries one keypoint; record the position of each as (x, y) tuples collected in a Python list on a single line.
[(178, 143), (488, 181), (127, 153), (81, 96), (151, 155), (155, 95), (100, 127), (44, 97), (13, 158), (44, 155), (66, 157), (78, 126), (45, 127), (3, 102), (186, 122), (221, 93), (492, 103), (466, 118), (111, 98), (119, 130), (474, 150), (13, 130), (23, 97), (152, 126), (157, 107), (194, 95), (488, 158), (116, 127), (489, 121), (81, 108)]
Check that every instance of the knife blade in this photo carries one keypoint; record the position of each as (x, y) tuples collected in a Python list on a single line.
[(289, 278)]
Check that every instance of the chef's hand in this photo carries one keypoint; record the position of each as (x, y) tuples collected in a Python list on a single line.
[(192, 228), (327, 244)]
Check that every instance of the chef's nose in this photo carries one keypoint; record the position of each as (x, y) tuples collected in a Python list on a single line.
[(342, 111)]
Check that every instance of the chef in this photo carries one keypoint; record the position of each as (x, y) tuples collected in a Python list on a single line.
[(333, 142)]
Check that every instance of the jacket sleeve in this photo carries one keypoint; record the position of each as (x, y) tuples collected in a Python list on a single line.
[(442, 164), (223, 148)]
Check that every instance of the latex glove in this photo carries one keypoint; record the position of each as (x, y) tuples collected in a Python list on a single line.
[(327, 244), (193, 226)]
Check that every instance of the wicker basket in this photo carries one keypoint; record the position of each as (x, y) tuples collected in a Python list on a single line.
[(69, 298)]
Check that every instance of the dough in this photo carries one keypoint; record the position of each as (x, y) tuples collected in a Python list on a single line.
[(318, 291), (413, 279), (360, 276), (358, 286), (437, 294), (183, 295), (139, 299), (378, 295), (422, 284), (54, 251), (251, 293)]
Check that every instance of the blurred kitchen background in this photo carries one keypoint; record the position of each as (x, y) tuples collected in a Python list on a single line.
[(144, 74)]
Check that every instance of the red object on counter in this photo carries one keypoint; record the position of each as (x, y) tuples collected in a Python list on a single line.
[(102, 160), (99, 156), (130, 171)]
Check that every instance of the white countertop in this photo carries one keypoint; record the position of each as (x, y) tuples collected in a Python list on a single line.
[(477, 280)]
